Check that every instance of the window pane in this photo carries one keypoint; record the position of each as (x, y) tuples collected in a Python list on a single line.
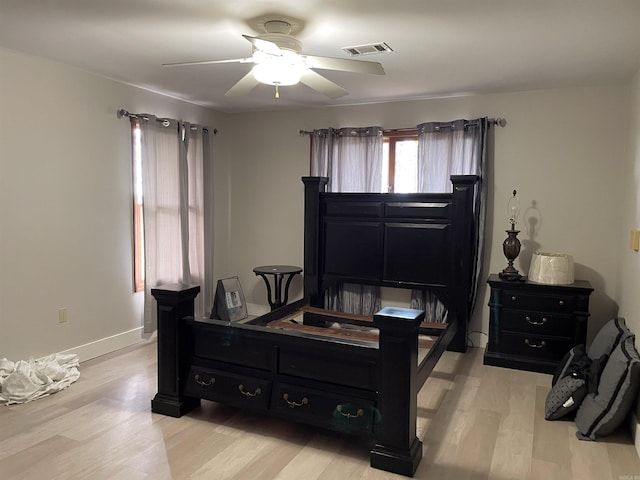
[(406, 166)]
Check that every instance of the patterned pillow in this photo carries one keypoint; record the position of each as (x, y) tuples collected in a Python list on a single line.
[(565, 397), (569, 384), (602, 412)]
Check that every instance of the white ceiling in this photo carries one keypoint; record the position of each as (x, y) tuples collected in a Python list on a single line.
[(443, 47)]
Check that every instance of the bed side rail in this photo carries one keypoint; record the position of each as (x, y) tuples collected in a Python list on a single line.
[(439, 346)]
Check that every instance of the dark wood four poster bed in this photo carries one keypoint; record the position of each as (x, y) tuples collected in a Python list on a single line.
[(293, 364)]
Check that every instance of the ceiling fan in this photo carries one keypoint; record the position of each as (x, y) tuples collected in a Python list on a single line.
[(278, 61)]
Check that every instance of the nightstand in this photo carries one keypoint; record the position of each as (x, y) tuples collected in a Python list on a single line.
[(532, 326)]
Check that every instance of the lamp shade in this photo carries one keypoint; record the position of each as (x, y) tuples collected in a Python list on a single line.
[(551, 268)]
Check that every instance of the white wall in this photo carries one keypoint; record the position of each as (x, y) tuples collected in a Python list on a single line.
[(65, 186), (629, 260), (566, 150), (629, 292), (65, 191)]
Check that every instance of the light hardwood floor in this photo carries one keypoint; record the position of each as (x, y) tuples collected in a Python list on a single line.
[(476, 422)]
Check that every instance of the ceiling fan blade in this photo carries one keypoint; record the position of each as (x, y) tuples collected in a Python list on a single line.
[(264, 45), (343, 64), (244, 86), (322, 84), (209, 62)]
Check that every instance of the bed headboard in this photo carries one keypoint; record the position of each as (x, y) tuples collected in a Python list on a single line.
[(420, 241)]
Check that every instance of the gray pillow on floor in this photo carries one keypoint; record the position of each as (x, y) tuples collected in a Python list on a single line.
[(608, 337), (602, 412)]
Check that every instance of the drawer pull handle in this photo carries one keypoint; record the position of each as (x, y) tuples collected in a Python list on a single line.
[(534, 322), (359, 412), (202, 383), (304, 401), (257, 392), (514, 298), (534, 345), (561, 302)]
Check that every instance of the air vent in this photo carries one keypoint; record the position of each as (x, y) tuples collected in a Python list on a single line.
[(367, 49)]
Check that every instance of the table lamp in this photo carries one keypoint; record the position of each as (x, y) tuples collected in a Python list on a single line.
[(511, 245)]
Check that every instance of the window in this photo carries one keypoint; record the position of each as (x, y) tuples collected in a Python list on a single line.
[(138, 230), (400, 161)]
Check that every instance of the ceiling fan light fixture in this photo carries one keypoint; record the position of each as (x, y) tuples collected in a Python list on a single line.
[(282, 70)]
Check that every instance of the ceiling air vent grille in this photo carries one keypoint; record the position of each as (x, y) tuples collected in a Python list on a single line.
[(367, 49)]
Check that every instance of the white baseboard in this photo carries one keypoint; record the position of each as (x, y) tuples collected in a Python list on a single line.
[(109, 344)]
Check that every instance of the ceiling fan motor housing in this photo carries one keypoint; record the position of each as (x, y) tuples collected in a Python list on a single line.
[(283, 41)]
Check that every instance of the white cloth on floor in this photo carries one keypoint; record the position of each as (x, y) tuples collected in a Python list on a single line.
[(23, 381)]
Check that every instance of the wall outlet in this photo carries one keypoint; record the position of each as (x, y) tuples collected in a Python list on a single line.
[(62, 315)]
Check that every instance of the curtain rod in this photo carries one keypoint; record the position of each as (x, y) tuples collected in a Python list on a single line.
[(124, 113), (499, 121)]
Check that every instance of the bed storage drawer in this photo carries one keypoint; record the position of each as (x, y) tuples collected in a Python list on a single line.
[(343, 413), (225, 387)]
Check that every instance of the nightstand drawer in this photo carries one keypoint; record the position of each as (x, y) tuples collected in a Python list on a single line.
[(227, 387), (539, 323), (555, 303), (534, 346), (344, 413)]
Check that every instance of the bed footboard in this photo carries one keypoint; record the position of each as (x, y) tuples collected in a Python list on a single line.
[(296, 376)]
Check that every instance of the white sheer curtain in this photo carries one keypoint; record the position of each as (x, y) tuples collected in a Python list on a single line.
[(172, 155), (352, 159), (454, 148)]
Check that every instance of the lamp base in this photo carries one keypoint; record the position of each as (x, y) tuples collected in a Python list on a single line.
[(511, 249), (512, 276)]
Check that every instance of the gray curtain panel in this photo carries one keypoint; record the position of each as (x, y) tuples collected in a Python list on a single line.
[(455, 148), (173, 158), (352, 160)]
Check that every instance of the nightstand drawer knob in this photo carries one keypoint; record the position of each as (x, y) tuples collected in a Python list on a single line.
[(561, 302), (535, 345), (514, 298), (535, 322)]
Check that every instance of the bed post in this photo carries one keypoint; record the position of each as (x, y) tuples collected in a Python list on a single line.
[(397, 448), (461, 268), (174, 303), (313, 187)]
